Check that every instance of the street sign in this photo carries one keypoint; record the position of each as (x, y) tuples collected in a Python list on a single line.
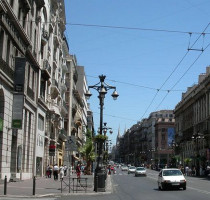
[(71, 143), (52, 148)]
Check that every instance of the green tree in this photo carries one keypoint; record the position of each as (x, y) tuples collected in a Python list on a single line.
[(187, 161), (88, 151)]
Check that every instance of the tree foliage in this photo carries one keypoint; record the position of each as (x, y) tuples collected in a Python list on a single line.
[(87, 151)]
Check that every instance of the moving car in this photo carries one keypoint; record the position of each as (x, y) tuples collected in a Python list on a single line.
[(124, 168), (131, 169), (171, 177), (140, 171)]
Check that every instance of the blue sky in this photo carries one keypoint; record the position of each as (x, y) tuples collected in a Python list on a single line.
[(138, 59)]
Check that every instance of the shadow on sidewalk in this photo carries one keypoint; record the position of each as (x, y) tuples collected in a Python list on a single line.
[(47, 186)]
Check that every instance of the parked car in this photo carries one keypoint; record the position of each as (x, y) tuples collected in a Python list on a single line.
[(124, 168), (140, 171), (171, 178), (131, 169)]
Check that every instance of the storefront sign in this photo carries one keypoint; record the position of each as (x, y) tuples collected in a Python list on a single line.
[(52, 148), (17, 113), (19, 77)]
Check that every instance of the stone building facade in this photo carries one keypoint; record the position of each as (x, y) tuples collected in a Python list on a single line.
[(192, 116), (39, 102)]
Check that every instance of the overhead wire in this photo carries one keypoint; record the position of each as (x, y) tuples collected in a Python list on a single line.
[(132, 84), (187, 68), (182, 76), (118, 117), (143, 29), (133, 28), (113, 27), (173, 72)]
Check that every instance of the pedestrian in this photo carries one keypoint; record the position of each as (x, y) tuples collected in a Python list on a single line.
[(65, 170), (61, 170), (50, 171), (78, 170), (55, 171), (193, 171), (47, 171), (109, 169), (208, 170), (82, 169), (187, 170), (190, 171)]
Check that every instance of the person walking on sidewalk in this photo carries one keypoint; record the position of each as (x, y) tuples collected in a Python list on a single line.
[(65, 170), (61, 172), (78, 170), (55, 171), (48, 172)]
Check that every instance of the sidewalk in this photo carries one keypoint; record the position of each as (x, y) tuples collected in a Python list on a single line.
[(50, 187)]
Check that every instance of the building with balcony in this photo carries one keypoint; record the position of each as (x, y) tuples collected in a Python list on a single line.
[(19, 80), (136, 145), (192, 115), (33, 110), (164, 138)]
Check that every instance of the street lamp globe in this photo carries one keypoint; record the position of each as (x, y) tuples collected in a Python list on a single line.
[(102, 92), (115, 95), (88, 94)]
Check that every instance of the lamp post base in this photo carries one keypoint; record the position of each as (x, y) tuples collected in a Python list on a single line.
[(100, 180)]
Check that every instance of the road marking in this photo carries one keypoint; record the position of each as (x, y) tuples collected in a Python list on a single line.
[(198, 190)]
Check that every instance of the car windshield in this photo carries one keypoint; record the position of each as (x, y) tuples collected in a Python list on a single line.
[(172, 173), (140, 168), (132, 168)]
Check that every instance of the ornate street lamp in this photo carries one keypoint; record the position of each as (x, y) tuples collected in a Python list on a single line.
[(196, 138), (102, 88)]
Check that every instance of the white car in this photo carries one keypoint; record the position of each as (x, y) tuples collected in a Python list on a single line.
[(140, 171), (131, 169), (171, 177), (124, 168)]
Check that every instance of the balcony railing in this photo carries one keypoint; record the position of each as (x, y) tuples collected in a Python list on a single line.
[(11, 29), (47, 67), (63, 131), (6, 69), (45, 36), (54, 83)]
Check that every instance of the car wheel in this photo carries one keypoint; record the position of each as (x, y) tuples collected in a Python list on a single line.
[(184, 188), (163, 187), (159, 187)]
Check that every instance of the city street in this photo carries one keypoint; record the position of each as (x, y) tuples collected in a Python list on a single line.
[(127, 186)]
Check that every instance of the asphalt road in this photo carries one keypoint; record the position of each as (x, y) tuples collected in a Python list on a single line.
[(128, 187)]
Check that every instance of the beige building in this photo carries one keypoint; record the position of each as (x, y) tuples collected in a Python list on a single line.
[(34, 82), (192, 116)]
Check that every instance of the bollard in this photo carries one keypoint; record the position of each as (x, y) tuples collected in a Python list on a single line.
[(34, 185), (5, 185), (61, 185), (96, 184)]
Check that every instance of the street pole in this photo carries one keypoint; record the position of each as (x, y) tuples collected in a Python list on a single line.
[(197, 157), (196, 137), (102, 88)]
